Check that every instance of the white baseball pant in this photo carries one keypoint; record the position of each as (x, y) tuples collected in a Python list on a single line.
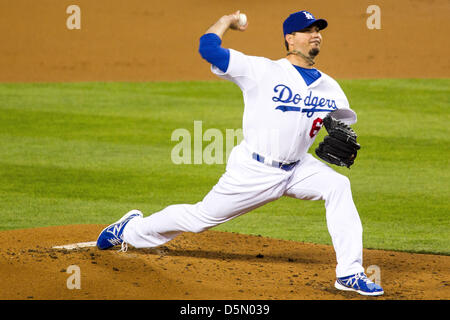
[(248, 184)]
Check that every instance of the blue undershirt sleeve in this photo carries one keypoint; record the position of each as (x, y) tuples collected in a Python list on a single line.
[(210, 49)]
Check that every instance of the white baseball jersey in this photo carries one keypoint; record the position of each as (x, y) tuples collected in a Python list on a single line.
[(282, 115)]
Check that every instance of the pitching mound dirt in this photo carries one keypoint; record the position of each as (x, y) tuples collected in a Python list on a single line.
[(210, 265)]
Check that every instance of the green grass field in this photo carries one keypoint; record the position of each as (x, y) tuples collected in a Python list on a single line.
[(82, 153)]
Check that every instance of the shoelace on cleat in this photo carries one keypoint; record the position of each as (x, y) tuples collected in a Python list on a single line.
[(115, 241), (354, 280)]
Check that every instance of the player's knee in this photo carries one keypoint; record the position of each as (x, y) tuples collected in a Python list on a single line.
[(199, 229), (343, 182), (339, 183), (203, 222)]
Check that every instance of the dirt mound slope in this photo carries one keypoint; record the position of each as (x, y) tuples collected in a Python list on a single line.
[(210, 265)]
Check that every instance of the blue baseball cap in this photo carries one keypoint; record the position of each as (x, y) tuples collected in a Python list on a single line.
[(301, 20)]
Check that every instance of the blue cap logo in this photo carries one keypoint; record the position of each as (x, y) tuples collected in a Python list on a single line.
[(308, 15)]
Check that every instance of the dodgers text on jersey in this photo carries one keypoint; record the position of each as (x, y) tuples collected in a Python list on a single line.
[(285, 95)]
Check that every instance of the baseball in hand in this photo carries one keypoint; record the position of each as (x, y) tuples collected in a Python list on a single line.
[(242, 19)]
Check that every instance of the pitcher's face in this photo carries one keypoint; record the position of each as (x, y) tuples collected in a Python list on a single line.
[(307, 41)]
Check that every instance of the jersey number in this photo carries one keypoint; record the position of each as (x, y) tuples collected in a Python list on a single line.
[(317, 124)]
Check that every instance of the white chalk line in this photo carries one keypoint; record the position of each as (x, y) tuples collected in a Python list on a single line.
[(76, 245)]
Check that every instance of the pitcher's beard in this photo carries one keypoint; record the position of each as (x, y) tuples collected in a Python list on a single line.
[(314, 52)]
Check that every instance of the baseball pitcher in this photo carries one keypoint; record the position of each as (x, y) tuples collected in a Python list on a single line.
[(286, 102)]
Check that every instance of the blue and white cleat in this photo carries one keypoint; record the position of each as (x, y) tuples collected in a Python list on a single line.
[(112, 235), (359, 283)]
